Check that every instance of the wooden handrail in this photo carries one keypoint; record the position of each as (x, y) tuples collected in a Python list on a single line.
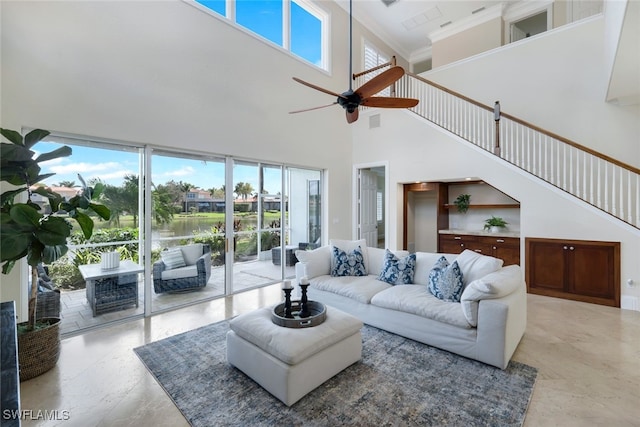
[(531, 126), (391, 63)]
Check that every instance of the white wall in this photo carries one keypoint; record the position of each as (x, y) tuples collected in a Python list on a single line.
[(168, 74), (557, 81), (421, 152)]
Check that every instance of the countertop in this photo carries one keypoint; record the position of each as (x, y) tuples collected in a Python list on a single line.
[(505, 233)]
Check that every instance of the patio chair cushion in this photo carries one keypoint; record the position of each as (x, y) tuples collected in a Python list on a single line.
[(172, 259), (180, 273), (191, 253)]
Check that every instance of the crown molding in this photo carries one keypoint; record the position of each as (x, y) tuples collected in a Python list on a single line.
[(468, 22), (420, 54)]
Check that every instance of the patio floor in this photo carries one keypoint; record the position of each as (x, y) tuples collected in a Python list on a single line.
[(76, 313)]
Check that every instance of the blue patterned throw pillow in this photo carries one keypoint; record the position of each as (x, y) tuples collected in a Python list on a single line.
[(348, 264), (445, 281), (397, 271)]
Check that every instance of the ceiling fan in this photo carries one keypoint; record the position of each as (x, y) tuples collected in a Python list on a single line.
[(351, 100)]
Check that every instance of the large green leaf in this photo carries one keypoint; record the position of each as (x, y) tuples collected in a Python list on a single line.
[(63, 151), (25, 215), (35, 136), (101, 210), (86, 223), (12, 136), (34, 257), (14, 153), (15, 242), (8, 196), (53, 253), (53, 231), (7, 267)]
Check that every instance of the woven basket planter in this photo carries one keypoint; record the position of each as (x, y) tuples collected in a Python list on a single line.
[(38, 350)]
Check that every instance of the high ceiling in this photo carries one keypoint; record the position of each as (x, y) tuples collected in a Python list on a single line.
[(408, 25)]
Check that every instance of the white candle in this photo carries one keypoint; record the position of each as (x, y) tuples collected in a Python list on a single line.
[(287, 285), (304, 280)]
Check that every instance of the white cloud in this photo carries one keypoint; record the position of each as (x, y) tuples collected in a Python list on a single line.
[(75, 168), (185, 171)]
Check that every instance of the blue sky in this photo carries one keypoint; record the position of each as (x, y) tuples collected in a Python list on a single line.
[(111, 166)]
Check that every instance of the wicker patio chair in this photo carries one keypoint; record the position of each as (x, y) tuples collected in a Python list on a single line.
[(192, 275)]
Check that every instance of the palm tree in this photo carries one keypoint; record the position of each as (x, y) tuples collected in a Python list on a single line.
[(185, 187), (68, 184), (243, 189)]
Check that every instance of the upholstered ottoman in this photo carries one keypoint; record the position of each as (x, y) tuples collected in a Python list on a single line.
[(290, 362)]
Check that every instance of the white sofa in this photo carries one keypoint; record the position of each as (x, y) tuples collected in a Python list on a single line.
[(486, 325)]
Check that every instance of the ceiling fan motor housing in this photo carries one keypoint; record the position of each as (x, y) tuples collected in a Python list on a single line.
[(350, 101)]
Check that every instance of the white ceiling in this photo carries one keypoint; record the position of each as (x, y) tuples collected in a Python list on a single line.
[(408, 25)]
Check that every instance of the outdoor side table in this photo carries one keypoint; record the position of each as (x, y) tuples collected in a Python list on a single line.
[(113, 289)]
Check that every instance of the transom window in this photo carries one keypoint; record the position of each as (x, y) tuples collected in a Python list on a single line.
[(295, 25)]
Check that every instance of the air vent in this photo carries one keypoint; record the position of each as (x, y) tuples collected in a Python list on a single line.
[(473, 12), (388, 2), (445, 24), (374, 121)]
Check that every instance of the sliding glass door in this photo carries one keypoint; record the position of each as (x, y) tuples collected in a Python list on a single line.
[(188, 214)]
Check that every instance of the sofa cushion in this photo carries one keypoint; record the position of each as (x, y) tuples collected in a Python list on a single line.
[(180, 272), (316, 262), (475, 266), (350, 245), (494, 285), (376, 259), (172, 258), (191, 253), (416, 299), (398, 271), (347, 263), (446, 280), (425, 262), (361, 289)]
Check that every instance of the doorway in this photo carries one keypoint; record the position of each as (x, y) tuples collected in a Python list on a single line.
[(371, 187)]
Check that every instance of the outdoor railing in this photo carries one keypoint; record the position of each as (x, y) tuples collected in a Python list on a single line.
[(604, 182)]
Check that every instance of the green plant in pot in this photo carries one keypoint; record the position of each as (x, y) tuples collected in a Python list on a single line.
[(40, 237), (462, 202), (494, 224)]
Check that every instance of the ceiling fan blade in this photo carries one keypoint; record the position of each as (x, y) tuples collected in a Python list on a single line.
[(352, 117), (389, 102), (311, 85), (314, 108), (380, 82)]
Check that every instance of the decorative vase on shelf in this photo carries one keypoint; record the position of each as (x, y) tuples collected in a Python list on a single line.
[(495, 229)]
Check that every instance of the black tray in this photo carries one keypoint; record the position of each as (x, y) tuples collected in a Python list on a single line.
[(317, 310)]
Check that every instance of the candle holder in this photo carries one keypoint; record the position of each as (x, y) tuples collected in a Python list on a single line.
[(304, 306), (287, 304)]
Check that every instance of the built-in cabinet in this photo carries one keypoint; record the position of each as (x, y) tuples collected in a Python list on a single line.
[(456, 231), (505, 248), (580, 270)]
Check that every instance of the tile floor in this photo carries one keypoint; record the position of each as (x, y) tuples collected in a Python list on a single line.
[(588, 358)]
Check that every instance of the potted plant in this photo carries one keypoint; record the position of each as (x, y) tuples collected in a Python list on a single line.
[(462, 202), (40, 237), (494, 224)]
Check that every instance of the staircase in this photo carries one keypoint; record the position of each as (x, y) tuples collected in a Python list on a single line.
[(601, 181)]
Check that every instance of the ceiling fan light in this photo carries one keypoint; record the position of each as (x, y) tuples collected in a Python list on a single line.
[(388, 2)]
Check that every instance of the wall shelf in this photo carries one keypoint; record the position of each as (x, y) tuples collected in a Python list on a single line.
[(492, 206)]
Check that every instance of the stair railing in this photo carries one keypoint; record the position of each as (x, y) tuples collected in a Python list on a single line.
[(604, 182)]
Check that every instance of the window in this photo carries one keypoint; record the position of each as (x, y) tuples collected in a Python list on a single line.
[(295, 25), (262, 17), (306, 34), (372, 58)]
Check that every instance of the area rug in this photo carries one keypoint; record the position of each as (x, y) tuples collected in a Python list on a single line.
[(398, 382)]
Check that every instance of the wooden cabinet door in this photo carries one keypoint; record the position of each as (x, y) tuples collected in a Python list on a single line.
[(546, 265), (581, 270), (590, 270), (507, 249), (450, 244)]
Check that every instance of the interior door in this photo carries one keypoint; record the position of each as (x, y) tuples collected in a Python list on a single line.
[(368, 191)]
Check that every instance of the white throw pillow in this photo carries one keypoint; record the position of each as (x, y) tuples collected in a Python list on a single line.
[(191, 253), (348, 246), (316, 262), (172, 258), (494, 285), (475, 266)]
